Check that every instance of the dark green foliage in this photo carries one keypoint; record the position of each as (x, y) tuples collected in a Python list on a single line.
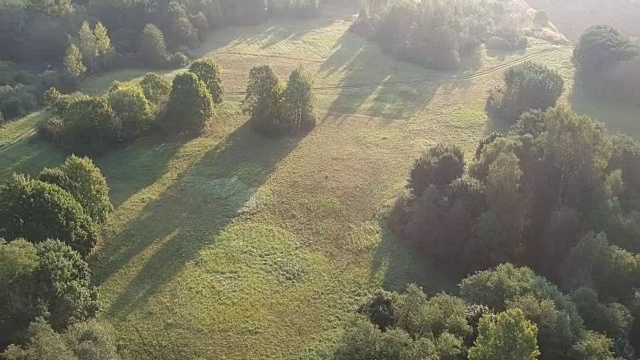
[(298, 102), (381, 309), (190, 106), (132, 111), (601, 48), (155, 87), (528, 86), (263, 101), (592, 346), (505, 336), (84, 180), (439, 166), (613, 320), (47, 280), (37, 211), (153, 50), (90, 340), (89, 125), (208, 72)]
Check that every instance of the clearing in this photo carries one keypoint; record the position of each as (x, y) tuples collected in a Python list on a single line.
[(238, 247)]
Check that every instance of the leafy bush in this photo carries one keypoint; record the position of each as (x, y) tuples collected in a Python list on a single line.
[(155, 87), (506, 336), (37, 211), (84, 180), (208, 72), (541, 18), (498, 43), (89, 125), (153, 50), (601, 48), (131, 109), (190, 106)]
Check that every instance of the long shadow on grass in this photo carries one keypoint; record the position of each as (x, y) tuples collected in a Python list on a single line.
[(401, 265), (190, 214), (375, 84)]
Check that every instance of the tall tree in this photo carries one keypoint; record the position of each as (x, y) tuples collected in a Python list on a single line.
[(208, 71), (73, 66), (507, 336), (104, 49), (153, 50), (87, 44)]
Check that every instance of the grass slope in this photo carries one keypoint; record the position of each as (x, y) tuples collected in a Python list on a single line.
[(234, 246)]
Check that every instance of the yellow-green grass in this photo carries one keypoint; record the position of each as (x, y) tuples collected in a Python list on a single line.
[(239, 247)]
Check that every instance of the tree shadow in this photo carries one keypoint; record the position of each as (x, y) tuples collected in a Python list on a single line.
[(28, 156), (189, 215), (402, 265)]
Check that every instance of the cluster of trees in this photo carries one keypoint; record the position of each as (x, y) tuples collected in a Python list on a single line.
[(504, 313), (46, 294), (537, 196), (527, 86), (278, 109), (85, 124), (436, 33), (608, 64)]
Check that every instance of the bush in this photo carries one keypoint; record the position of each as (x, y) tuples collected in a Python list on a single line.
[(177, 60), (541, 18), (84, 180), (208, 72), (439, 166), (498, 44), (155, 87), (131, 109), (37, 211), (601, 48), (505, 336), (190, 106), (89, 125)]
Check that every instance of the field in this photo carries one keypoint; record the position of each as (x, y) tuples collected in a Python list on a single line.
[(238, 247), (572, 17)]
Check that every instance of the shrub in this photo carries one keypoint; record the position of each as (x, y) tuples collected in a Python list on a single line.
[(190, 106), (439, 166), (208, 72), (155, 87), (541, 18), (35, 210), (84, 180), (499, 44), (381, 309), (177, 60), (131, 109)]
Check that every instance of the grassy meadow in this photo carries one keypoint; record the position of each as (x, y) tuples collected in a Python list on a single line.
[(235, 246)]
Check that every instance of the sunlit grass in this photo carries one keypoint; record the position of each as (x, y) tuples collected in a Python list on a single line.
[(240, 247)]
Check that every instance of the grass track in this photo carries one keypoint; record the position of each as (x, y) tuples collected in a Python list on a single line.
[(238, 247)]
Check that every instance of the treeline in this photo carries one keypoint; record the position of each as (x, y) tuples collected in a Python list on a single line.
[(47, 297), (507, 313), (608, 65), (437, 33), (554, 193), (83, 124), (55, 44)]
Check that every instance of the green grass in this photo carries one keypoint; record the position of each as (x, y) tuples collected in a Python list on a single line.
[(239, 247)]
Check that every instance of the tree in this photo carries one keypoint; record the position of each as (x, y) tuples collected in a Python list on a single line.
[(155, 87), (87, 45), (439, 166), (89, 340), (601, 48), (131, 109), (48, 280), (263, 100), (298, 102), (153, 51), (208, 72), (53, 9), (592, 346), (507, 336), (89, 125), (73, 66), (528, 86), (190, 106), (104, 49), (37, 211), (84, 180)]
